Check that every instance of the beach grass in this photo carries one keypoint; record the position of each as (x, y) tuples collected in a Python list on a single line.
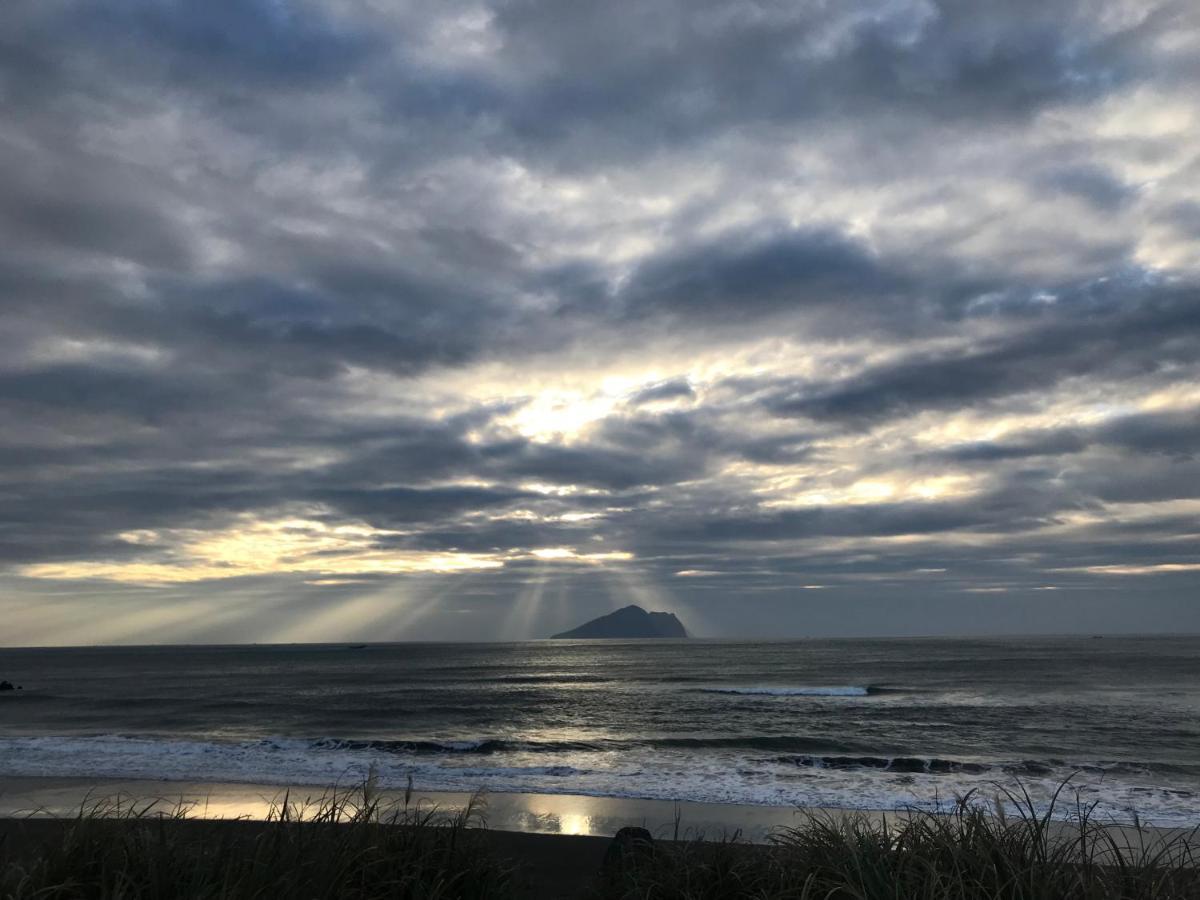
[(347, 845), (1008, 850), (341, 845)]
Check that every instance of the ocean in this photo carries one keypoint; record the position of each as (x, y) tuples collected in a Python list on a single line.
[(872, 724)]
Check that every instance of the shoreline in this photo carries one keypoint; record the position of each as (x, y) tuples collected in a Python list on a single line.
[(562, 815)]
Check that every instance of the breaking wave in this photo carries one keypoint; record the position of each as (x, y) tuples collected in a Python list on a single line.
[(851, 690), (734, 770)]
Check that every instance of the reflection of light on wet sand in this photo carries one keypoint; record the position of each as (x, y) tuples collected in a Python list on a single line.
[(69, 797), (567, 814), (232, 808), (574, 824), (564, 814)]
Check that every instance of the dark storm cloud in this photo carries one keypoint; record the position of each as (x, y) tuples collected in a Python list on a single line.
[(400, 506), (874, 520), (357, 267), (260, 40), (740, 277), (68, 203), (680, 70), (96, 389), (667, 390), (1186, 216), (1121, 334), (1172, 434), (1091, 183), (1053, 442)]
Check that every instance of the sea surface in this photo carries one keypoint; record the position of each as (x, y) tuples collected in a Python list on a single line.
[(856, 723)]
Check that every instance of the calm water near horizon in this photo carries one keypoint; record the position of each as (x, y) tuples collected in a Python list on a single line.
[(847, 723)]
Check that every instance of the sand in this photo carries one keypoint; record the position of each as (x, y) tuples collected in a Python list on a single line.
[(562, 814)]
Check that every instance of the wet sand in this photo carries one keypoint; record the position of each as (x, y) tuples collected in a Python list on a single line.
[(546, 814), (562, 814)]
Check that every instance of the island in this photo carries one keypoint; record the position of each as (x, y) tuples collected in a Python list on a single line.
[(629, 622)]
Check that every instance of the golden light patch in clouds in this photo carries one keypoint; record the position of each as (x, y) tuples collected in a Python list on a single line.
[(1114, 513), (264, 548), (1152, 569), (557, 397), (552, 490), (579, 516), (892, 489), (552, 554), (1067, 408), (1176, 397), (973, 427), (565, 411), (558, 415), (331, 554), (392, 563)]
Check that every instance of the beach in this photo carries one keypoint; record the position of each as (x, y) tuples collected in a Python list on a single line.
[(533, 845), (552, 814)]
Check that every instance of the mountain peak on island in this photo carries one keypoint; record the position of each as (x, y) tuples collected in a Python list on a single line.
[(629, 622)]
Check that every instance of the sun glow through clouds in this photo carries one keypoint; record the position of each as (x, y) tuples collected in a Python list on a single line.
[(462, 317)]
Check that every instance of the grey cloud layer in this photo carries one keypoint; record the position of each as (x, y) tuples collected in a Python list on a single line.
[(315, 261)]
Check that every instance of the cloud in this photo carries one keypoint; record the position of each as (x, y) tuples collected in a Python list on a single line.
[(1176, 434), (1109, 334), (1092, 184), (667, 390), (740, 276), (712, 303)]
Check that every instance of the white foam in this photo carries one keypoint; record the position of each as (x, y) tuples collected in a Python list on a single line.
[(851, 690), (465, 745), (720, 776)]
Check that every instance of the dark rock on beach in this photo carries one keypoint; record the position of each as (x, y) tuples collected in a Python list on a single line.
[(630, 847)]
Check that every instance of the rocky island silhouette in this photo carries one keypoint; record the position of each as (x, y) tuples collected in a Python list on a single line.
[(629, 622)]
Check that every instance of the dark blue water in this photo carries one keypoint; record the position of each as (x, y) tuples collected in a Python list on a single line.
[(840, 723)]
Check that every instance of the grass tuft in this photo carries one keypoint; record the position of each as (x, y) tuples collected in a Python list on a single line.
[(343, 845), (969, 853)]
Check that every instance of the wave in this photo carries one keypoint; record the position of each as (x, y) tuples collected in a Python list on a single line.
[(782, 743), (1056, 768), (481, 746), (851, 690), (788, 750), (670, 768), (899, 764), (29, 749)]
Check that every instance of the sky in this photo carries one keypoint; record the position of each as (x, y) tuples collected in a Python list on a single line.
[(345, 320)]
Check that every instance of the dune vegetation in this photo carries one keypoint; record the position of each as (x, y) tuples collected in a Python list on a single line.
[(348, 845), (1008, 850)]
